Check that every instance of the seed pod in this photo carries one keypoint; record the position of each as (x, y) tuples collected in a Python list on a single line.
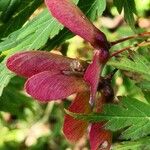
[(66, 12)]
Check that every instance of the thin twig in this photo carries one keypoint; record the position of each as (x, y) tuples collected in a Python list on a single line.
[(140, 35), (130, 47)]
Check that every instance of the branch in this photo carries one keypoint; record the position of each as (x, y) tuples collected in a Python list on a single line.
[(130, 47), (140, 35)]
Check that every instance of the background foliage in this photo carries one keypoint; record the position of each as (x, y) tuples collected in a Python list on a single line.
[(26, 25)]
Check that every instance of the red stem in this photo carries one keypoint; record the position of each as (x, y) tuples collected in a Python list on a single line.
[(144, 34), (129, 47)]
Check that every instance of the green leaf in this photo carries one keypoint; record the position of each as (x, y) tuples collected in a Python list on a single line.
[(4, 4), (92, 8), (17, 82), (144, 85), (129, 10), (136, 64), (147, 96), (22, 11), (119, 4), (34, 35), (63, 35), (5, 76), (9, 7), (14, 101), (130, 113), (141, 144)]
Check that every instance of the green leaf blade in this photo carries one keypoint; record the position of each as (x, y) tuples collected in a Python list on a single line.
[(130, 114), (137, 64)]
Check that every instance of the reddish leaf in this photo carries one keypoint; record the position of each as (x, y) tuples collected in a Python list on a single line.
[(47, 86), (75, 129), (100, 139), (92, 74), (71, 17), (32, 62)]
